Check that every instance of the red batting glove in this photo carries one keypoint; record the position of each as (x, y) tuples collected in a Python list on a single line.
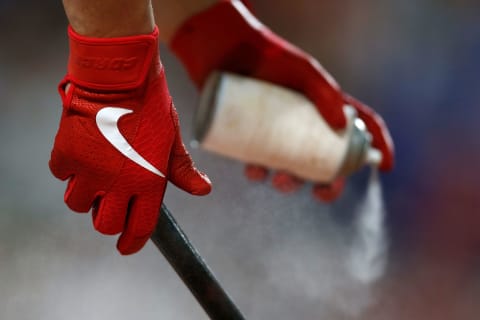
[(228, 37), (119, 139)]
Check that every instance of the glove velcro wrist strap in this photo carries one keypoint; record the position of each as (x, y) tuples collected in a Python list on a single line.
[(110, 63)]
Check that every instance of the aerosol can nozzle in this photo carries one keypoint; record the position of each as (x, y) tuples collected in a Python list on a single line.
[(359, 151), (374, 157)]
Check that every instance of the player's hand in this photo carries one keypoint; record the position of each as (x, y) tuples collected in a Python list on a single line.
[(119, 139), (287, 183), (228, 37)]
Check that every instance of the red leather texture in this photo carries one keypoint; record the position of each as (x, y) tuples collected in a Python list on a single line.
[(228, 37), (126, 196)]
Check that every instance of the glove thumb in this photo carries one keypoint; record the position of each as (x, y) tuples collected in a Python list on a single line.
[(182, 171)]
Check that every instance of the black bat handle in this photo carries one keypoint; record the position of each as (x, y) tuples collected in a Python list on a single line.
[(190, 267)]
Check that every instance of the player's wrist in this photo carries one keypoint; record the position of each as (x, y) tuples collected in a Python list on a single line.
[(170, 15), (110, 18), (236, 46)]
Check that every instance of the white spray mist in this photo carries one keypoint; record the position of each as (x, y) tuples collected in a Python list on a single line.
[(369, 252)]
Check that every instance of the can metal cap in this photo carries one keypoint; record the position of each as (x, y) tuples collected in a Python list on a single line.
[(360, 151)]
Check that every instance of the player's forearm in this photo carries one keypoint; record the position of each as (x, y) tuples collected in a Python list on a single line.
[(110, 18), (170, 14)]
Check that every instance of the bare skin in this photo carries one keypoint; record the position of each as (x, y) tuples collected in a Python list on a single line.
[(110, 18), (102, 18), (170, 14)]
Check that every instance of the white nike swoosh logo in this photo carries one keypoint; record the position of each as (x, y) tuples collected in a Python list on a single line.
[(107, 121)]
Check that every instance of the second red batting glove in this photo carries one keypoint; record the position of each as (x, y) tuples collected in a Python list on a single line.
[(119, 139), (228, 37)]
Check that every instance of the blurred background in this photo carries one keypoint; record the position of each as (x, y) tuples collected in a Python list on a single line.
[(280, 257)]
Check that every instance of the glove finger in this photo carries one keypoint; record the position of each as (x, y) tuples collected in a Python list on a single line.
[(329, 192), (79, 195), (58, 167), (325, 93), (304, 74), (330, 109), (182, 171), (286, 183), (378, 129), (110, 213), (255, 172), (141, 221)]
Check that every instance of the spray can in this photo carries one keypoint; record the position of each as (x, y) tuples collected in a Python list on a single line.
[(261, 123)]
